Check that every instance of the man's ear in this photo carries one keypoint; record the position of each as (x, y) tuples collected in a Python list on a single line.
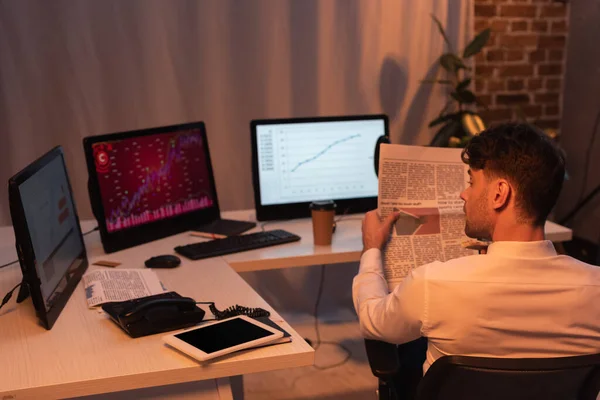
[(501, 195)]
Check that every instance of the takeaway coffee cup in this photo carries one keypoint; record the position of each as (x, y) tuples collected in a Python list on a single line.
[(322, 221)]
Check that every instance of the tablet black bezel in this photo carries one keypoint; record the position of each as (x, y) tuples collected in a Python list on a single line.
[(224, 324), (301, 210), (129, 237), (24, 245)]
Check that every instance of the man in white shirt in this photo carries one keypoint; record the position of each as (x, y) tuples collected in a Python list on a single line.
[(520, 299)]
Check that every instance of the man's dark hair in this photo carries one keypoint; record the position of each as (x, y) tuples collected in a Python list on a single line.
[(527, 158)]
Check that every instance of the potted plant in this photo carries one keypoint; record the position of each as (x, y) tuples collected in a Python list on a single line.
[(458, 119)]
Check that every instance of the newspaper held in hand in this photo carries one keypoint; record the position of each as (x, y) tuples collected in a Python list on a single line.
[(103, 286), (422, 184)]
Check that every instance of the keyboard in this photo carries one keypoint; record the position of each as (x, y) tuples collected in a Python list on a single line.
[(236, 244)]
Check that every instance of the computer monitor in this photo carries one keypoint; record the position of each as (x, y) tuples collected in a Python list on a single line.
[(47, 232), (151, 183), (299, 160)]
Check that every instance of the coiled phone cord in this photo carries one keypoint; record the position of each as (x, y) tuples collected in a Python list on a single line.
[(236, 310)]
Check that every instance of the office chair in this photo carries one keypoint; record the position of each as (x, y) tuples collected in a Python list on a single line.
[(385, 365), (470, 378)]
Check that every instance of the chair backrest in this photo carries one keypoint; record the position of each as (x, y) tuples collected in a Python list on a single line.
[(466, 378), (383, 359)]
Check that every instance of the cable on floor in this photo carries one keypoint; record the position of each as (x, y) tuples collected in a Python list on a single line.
[(10, 263), (319, 342), (90, 231)]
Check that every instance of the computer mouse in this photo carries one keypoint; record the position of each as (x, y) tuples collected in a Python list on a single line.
[(164, 261)]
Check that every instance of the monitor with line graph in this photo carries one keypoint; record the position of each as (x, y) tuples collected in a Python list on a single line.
[(150, 183), (299, 160)]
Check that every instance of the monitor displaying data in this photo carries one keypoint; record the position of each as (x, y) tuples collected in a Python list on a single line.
[(153, 177), (48, 237), (308, 161), (53, 227)]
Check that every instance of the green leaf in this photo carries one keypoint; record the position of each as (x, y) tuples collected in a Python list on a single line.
[(477, 43), (442, 31), (456, 96), (463, 84), (438, 120), (451, 62), (442, 137), (441, 81), (443, 118), (464, 96)]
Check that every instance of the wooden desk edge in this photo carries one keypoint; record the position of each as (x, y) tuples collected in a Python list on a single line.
[(557, 235), (291, 262), (155, 379)]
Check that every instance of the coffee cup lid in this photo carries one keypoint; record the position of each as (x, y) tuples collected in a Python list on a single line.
[(323, 205)]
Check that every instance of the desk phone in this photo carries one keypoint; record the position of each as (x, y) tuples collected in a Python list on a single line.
[(154, 314)]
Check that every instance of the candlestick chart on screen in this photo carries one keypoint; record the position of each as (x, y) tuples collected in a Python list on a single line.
[(149, 178)]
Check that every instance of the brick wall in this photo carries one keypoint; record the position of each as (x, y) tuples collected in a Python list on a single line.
[(522, 65)]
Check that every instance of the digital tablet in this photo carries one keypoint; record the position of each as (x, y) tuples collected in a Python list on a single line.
[(222, 337)]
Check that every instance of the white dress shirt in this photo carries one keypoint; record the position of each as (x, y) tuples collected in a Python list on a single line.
[(519, 300)]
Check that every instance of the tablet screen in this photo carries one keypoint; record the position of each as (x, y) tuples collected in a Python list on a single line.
[(223, 335)]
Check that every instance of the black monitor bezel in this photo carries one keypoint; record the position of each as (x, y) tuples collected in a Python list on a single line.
[(24, 245), (129, 237), (301, 210)]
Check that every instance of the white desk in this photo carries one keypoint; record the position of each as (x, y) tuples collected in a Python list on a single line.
[(85, 353), (346, 245)]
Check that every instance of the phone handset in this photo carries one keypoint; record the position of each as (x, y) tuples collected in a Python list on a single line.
[(138, 311)]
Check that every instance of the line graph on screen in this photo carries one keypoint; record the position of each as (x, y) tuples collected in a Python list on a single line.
[(329, 162), (325, 150)]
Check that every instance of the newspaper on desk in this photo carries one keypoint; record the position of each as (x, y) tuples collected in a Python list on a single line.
[(106, 285), (423, 184)]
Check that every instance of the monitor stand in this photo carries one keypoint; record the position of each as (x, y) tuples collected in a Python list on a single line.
[(24, 288), (23, 292)]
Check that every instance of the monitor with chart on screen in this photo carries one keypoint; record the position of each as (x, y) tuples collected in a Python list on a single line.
[(297, 161), (150, 183)]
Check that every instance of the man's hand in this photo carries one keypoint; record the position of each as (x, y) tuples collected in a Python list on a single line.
[(376, 232)]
